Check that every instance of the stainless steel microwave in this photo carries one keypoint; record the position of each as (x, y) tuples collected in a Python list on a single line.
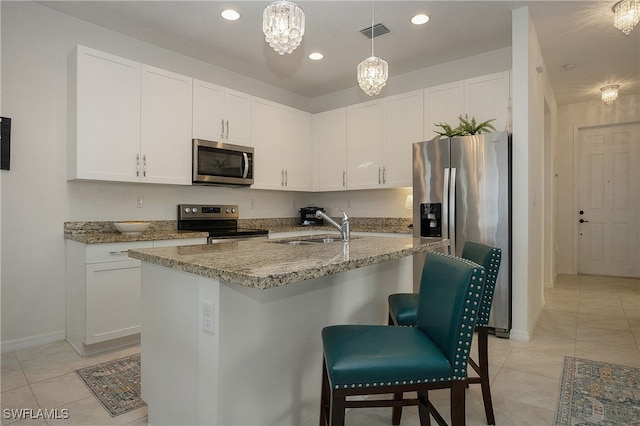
[(218, 163)]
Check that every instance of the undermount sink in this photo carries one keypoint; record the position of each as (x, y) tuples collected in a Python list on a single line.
[(322, 239), (311, 241)]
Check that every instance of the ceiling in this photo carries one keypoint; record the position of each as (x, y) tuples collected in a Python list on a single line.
[(570, 32)]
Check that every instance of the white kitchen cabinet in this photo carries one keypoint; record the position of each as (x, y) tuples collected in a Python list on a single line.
[(442, 104), (330, 149), (297, 150), (402, 126), (364, 145), (282, 143), (103, 308), (487, 97), (104, 116), (165, 136), (221, 114), (128, 122)]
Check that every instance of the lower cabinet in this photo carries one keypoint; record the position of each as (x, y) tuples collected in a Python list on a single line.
[(103, 293)]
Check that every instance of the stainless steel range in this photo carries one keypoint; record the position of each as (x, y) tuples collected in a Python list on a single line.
[(220, 221)]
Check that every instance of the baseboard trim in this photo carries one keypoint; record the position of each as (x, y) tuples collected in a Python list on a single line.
[(28, 342)]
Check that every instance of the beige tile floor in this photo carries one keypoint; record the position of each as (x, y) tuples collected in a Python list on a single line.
[(589, 317)]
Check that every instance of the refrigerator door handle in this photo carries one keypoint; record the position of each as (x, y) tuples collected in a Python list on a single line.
[(452, 211), (445, 204)]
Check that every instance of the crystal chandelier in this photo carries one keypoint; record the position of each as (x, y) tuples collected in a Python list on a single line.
[(610, 93), (626, 15), (372, 72), (283, 26)]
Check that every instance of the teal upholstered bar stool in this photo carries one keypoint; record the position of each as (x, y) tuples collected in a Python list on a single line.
[(382, 359), (403, 311)]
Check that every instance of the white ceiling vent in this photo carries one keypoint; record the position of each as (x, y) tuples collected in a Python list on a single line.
[(378, 30)]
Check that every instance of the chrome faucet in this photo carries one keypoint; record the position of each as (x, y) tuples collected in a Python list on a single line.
[(344, 228)]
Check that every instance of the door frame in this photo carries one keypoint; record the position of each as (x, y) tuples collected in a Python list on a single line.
[(576, 175)]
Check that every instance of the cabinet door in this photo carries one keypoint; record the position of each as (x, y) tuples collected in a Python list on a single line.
[(208, 111), (237, 106), (364, 145), (403, 126), (487, 97), (113, 304), (442, 104), (267, 129), (331, 145), (105, 111), (297, 150), (165, 146)]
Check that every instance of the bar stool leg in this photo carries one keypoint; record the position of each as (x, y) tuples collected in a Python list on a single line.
[(483, 361), (324, 399), (397, 411)]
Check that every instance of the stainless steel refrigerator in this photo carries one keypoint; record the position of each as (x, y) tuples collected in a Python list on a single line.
[(462, 191)]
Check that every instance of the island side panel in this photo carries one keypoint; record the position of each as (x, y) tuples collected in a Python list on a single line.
[(270, 340), (179, 360)]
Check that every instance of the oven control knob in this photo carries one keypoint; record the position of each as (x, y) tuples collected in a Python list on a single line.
[(228, 210), (187, 210), (233, 210)]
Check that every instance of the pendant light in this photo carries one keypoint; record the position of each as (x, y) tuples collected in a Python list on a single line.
[(372, 72), (283, 26), (609, 93), (626, 15)]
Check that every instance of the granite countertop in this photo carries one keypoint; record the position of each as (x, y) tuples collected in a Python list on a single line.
[(266, 264), (96, 232), (105, 232)]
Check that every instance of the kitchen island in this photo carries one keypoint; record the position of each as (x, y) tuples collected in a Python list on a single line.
[(231, 331)]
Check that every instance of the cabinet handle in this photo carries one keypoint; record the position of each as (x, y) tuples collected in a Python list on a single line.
[(379, 178), (286, 177), (281, 177), (222, 129), (137, 165), (144, 165), (384, 175), (227, 129), (117, 253), (344, 178)]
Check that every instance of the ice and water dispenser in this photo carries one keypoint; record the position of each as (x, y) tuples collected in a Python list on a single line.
[(431, 219)]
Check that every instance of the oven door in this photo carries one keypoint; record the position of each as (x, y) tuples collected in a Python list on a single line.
[(217, 163)]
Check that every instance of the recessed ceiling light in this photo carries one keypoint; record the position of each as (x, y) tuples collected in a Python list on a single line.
[(316, 56), (420, 19), (230, 15)]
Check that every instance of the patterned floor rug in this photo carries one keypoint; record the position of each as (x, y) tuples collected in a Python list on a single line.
[(116, 384), (597, 393)]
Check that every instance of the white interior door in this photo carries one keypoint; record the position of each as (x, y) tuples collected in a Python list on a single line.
[(608, 201)]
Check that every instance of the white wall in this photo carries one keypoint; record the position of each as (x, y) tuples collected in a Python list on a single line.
[(530, 89), (36, 198), (571, 117)]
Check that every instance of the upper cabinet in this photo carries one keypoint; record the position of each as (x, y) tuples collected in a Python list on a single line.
[(104, 117), (330, 150), (282, 143), (165, 131), (487, 97), (442, 104), (221, 114), (379, 138), (127, 122), (402, 126), (364, 145)]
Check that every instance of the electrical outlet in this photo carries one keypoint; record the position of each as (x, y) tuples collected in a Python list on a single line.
[(208, 317), (139, 201)]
